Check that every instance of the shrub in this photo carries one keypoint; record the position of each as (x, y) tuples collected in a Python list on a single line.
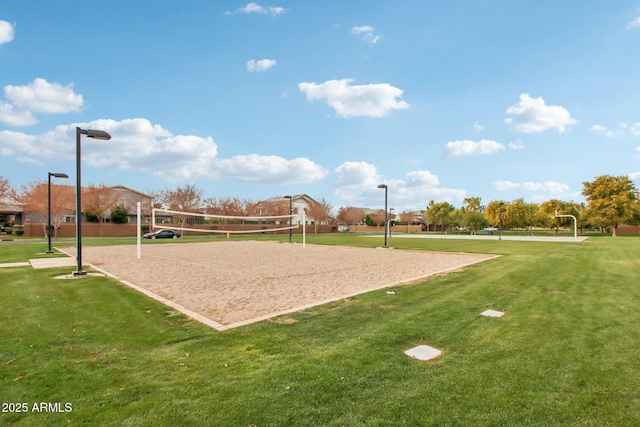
[(119, 215)]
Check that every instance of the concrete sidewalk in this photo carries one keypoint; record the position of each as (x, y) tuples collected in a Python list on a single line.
[(43, 263), (484, 237)]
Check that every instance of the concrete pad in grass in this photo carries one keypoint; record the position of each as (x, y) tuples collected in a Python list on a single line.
[(492, 313), (423, 352), (52, 262)]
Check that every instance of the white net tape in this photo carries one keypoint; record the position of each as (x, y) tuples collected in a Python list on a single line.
[(209, 223)]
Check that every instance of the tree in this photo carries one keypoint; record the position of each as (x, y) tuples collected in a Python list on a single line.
[(7, 195), (520, 214), (611, 200), (97, 200), (320, 212), (495, 213), (186, 199), (406, 217), (547, 214), (349, 215), (35, 201), (119, 215), (441, 214), (6, 192), (472, 204), (471, 214), (474, 220)]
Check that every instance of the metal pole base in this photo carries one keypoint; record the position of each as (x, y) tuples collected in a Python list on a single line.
[(79, 273)]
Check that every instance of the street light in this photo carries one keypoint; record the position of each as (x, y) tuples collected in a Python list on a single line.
[(500, 231), (55, 175), (385, 212), (95, 134), (290, 213)]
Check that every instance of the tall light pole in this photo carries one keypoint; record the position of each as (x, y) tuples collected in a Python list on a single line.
[(290, 219), (55, 175), (385, 212), (500, 231), (95, 134)]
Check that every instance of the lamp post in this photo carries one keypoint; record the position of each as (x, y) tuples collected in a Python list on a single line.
[(95, 134), (385, 212), (290, 219), (55, 175), (500, 231)]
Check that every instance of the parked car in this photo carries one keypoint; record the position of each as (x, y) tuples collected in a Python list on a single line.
[(162, 234), (461, 228), (490, 229)]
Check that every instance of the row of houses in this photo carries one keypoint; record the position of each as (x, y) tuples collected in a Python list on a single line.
[(123, 196), (128, 198)]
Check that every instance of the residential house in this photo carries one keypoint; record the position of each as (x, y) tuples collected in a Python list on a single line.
[(300, 204)]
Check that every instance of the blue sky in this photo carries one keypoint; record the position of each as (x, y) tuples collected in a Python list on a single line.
[(438, 100)]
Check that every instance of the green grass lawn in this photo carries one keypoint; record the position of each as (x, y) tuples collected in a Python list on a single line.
[(566, 352)]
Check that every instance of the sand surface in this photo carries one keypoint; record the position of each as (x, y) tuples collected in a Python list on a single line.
[(237, 282)]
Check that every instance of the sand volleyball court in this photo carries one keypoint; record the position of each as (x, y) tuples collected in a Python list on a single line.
[(231, 283)]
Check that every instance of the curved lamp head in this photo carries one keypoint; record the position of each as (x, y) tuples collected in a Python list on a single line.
[(382, 186), (58, 175), (95, 134)]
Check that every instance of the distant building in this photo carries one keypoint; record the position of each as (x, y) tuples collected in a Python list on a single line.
[(128, 198), (300, 203), (122, 196), (12, 211)]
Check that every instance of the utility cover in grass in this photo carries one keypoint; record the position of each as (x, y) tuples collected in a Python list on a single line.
[(423, 352), (492, 313)]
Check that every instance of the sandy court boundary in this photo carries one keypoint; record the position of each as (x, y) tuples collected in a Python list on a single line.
[(233, 283)]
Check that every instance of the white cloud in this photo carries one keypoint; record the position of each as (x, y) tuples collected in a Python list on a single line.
[(41, 96), (11, 116), (472, 148), (516, 145), (372, 100), (12, 143), (358, 186), (549, 187), (608, 133), (358, 174), (634, 24), (38, 96), (252, 8), (30, 161), (7, 32), (635, 175), (254, 66), (137, 144), (477, 126), (635, 129), (366, 32), (420, 178), (269, 169), (532, 115)]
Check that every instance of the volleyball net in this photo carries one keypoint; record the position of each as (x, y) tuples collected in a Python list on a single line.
[(223, 224)]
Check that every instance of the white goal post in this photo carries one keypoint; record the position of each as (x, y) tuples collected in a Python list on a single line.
[(221, 224)]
